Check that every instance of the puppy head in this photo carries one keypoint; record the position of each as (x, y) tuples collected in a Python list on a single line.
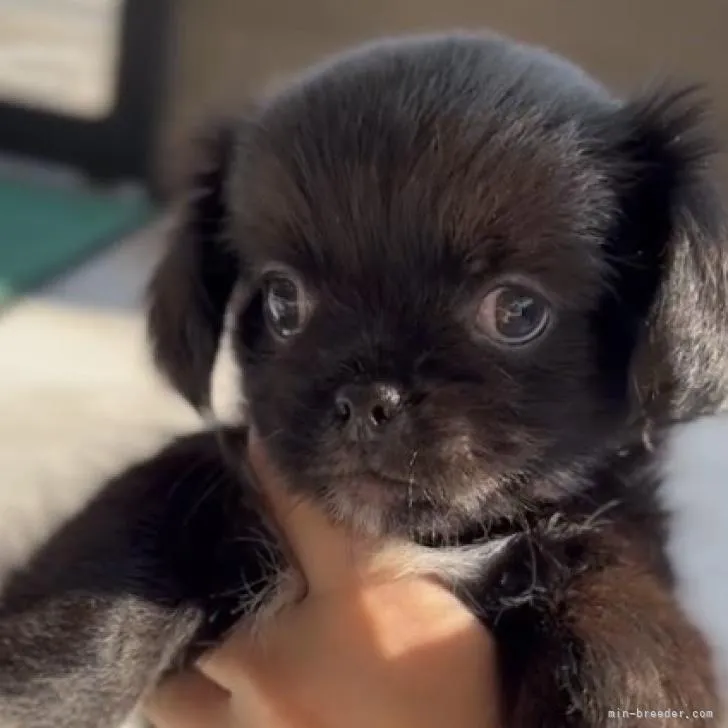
[(460, 262)]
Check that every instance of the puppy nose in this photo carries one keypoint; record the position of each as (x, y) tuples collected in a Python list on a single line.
[(365, 410)]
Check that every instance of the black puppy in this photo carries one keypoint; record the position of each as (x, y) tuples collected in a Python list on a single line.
[(471, 290)]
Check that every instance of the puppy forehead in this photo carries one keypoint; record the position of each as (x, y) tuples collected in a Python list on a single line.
[(416, 160)]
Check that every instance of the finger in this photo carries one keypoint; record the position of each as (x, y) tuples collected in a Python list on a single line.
[(258, 680), (225, 664), (188, 700)]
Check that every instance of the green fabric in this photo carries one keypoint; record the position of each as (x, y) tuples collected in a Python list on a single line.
[(45, 229)]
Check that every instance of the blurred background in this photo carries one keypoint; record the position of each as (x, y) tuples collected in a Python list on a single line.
[(96, 97)]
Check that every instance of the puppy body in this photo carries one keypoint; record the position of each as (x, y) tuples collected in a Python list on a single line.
[(476, 293)]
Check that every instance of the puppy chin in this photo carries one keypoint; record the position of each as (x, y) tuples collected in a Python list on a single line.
[(359, 503), (362, 503), (364, 506), (380, 508)]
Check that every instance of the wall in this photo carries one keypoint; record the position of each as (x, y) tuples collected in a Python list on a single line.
[(235, 46)]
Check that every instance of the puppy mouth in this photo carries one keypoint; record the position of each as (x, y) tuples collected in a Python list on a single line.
[(368, 476)]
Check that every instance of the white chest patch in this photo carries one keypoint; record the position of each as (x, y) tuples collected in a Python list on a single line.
[(695, 493)]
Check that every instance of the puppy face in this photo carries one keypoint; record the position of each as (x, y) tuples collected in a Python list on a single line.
[(448, 250)]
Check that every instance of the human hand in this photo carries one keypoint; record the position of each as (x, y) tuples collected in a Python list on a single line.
[(362, 649)]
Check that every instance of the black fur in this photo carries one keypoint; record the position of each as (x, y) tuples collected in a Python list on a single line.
[(400, 183), (165, 559)]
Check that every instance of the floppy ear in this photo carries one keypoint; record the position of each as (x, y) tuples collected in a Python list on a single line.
[(670, 255), (190, 289)]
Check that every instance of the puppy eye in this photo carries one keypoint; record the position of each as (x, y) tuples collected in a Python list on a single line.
[(513, 315), (284, 304)]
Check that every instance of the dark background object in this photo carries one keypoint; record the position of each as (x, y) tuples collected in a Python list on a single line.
[(118, 147), (183, 58)]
